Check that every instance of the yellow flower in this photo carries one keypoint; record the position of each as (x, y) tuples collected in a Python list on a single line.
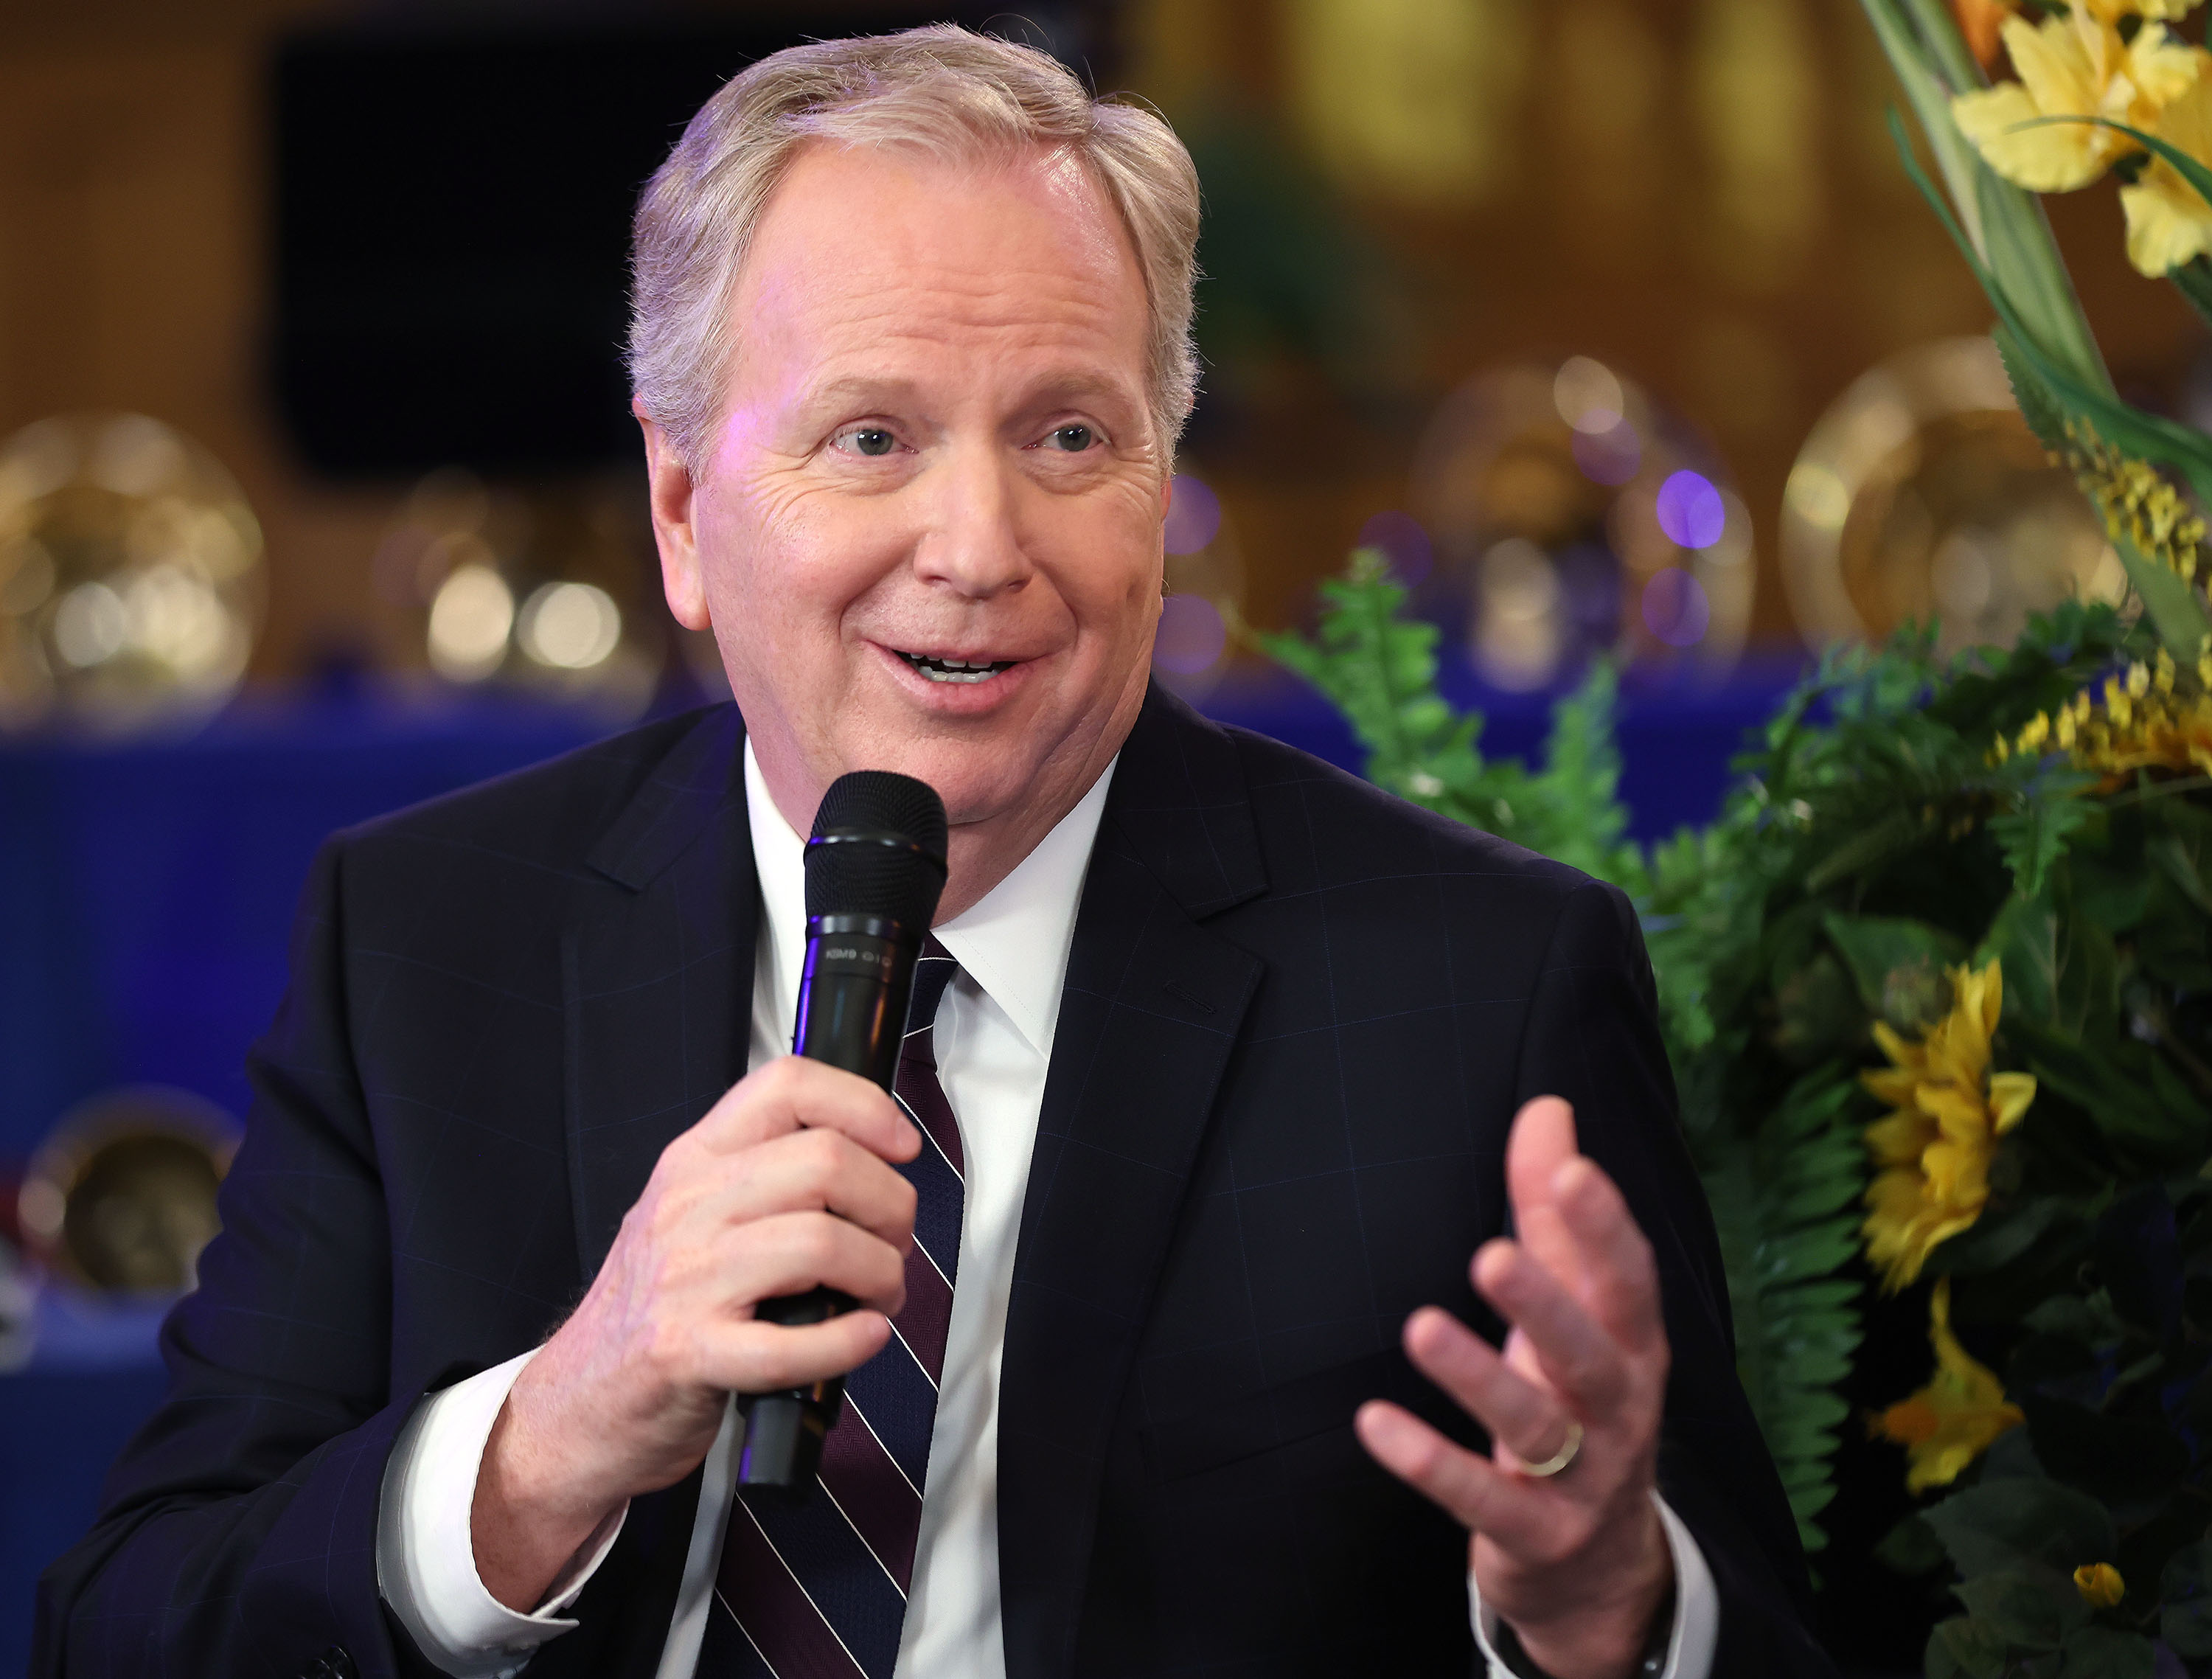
[(1950, 1422), (2111, 11), (2134, 500), (1934, 1149), (2168, 220), (2144, 724), (2074, 66), (2100, 1584)]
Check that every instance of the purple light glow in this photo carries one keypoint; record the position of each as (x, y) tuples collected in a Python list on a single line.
[(1403, 543), (1675, 608), (1691, 511), (1191, 635), (1194, 516), (1609, 457)]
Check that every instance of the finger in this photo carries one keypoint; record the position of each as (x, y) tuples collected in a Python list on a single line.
[(754, 1356), (1521, 1416), (1576, 1356), (814, 1171), (793, 1093), (1620, 1285), (1467, 1486), (789, 1253), (1541, 1142)]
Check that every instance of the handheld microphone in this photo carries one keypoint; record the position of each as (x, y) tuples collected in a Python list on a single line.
[(875, 866)]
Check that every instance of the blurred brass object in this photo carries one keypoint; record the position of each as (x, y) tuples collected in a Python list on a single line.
[(122, 1195), (549, 588), (1552, 490), (1920, 494), (130, 575)]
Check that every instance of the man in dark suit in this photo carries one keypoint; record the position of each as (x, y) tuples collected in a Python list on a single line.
[(1163, 1249)]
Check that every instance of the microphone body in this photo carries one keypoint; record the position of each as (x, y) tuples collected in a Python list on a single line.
[(874, 868), (853, 996)]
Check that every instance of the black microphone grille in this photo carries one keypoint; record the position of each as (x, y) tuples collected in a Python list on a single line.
[(878, 850)]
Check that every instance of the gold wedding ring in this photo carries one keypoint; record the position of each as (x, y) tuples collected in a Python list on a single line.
[(1560, 1459)]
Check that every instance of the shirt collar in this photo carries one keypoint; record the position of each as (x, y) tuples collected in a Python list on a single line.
[(1013, 944)]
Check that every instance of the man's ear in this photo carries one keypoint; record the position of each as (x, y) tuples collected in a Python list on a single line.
[(683, 579)]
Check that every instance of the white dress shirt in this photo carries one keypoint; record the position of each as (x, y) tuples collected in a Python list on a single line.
[(994, 1044)]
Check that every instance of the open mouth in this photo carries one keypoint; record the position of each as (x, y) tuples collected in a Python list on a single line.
[(956, 670)]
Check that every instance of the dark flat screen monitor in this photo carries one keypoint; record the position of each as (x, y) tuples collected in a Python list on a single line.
[(451, 223)]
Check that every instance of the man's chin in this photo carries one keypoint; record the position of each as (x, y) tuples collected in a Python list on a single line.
[(978, 784)]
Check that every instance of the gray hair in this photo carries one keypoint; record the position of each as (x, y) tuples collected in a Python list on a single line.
[(943, 90)]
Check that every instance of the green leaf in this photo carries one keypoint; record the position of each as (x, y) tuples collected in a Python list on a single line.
[(1894, 834), (2184, 1618), (2027, 1611), (2005, 226), (2155, 1124), (1898, 965), (1911, 1547), (2012, 1523), (1997, 1238), (2172, 604), (2023, 940), (1930, 100), (2193, 280), (2118, 1459), (1577, 816), (1820, 1013), (2088, 976), (2048, 811), (2105, 1652), (1965, 1645), (1797, 1321), (2045, 416)]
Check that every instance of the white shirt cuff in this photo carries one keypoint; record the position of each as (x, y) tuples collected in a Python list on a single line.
[(1697, 1610), (426, 1560)]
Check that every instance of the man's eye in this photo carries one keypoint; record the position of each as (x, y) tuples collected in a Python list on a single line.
[(1074, 440), (871, 440)]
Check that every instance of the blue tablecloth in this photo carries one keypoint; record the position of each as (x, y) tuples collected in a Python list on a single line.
[(146, 891)]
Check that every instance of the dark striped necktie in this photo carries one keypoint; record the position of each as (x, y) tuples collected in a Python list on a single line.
[(817, 1590)]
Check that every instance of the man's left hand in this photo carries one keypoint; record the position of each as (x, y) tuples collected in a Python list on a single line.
[(1576, 1562)]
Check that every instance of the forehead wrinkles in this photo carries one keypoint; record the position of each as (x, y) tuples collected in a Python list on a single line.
[(850, 230), (923, 303), (811, 326)]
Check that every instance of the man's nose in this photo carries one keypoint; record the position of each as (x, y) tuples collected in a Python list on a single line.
[(972, 543)]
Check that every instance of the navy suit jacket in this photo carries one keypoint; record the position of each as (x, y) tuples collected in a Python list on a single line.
[(1299, 1016)]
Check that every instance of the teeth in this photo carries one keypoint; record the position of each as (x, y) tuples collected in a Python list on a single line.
[(955, 670)]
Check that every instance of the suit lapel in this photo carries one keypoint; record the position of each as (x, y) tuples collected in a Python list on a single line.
[(657, 976), (656, 982), (1149, 1017)]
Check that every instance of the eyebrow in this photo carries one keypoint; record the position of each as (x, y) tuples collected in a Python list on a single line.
[(1075, 387), (855, 391), (860, 392)]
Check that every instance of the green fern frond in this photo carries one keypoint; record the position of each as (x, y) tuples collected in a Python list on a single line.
[(1787, 1211)]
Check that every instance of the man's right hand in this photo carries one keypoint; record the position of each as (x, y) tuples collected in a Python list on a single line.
[(784, 1185)]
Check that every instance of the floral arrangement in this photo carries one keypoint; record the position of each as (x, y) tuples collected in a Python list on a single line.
[(2098, 81), (1937, 983)]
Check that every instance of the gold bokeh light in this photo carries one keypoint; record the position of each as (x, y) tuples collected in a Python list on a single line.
[(130, 575)]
